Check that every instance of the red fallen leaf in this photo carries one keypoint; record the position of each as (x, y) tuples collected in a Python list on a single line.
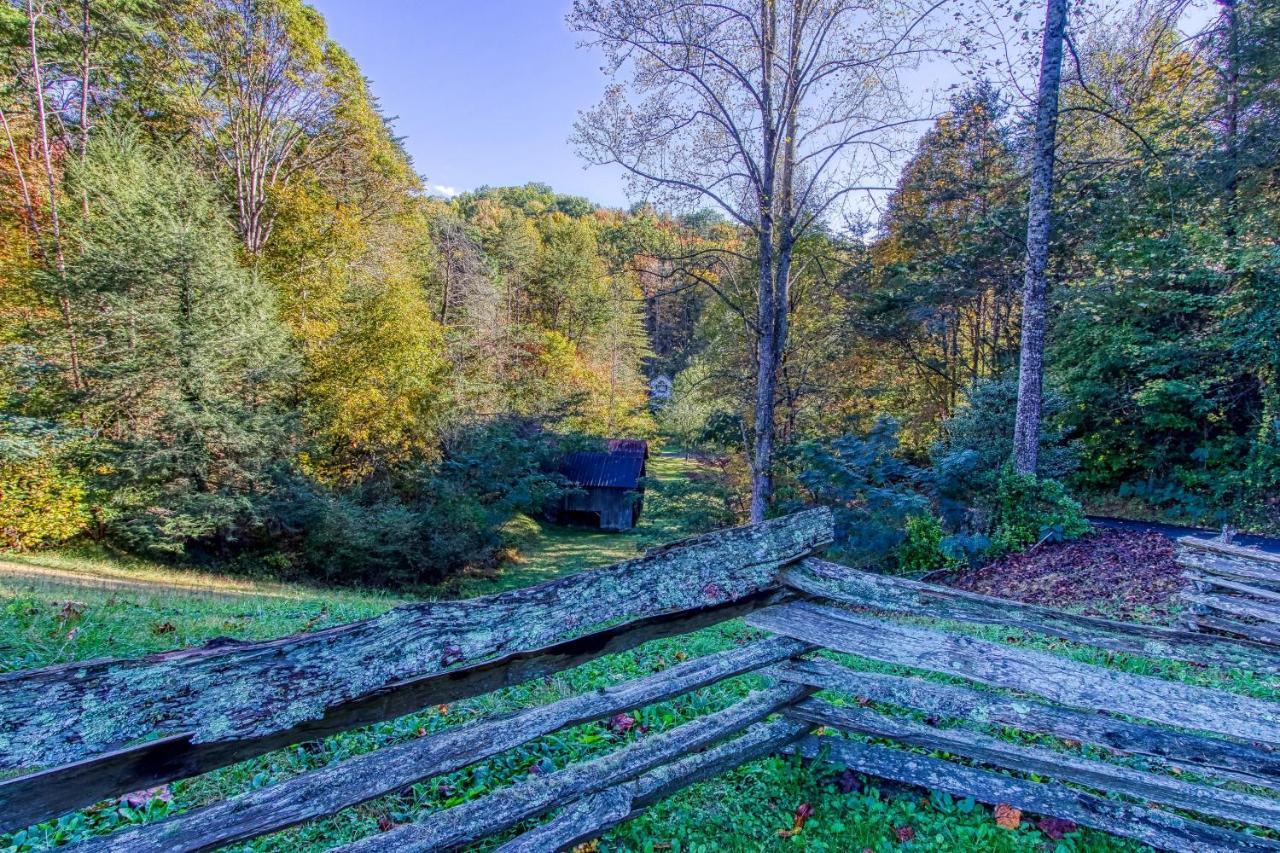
[(452, 654), (622, 723), (385, 823), (442, 709), (163, 628), (904, 833), (139, 799), (421, 732), (71, 610), (798, 821), (1056, 827), (1007, 816)]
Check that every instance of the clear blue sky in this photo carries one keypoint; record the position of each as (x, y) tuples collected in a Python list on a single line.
[(486, 91)]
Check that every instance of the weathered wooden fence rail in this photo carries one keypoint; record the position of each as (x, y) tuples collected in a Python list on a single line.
[(1234, 590), (1169, 751)]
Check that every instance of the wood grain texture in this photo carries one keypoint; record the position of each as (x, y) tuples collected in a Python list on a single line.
[(1255, 765), (356, 780), (1062, 680), (464, 824), (25, 800), (250, 690), (1110, 778), (839, 583), (1159, 829), (1228, 551), (593, 816), (1255, 632)]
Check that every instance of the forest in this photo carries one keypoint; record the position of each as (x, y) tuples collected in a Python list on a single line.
[(236, 329), (928, 352)]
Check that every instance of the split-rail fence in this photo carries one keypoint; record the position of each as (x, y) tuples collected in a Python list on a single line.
[(852, 661)]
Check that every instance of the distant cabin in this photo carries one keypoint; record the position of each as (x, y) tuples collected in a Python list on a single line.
[(609, 485), (660, 389)]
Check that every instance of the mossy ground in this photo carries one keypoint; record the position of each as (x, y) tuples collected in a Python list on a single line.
[(78, 606)]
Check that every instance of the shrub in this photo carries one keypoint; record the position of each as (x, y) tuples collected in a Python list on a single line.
[(921, 547), (459, 511), (1029, 509), (978, 439), (42, 503), (520, 531), (872, 491)]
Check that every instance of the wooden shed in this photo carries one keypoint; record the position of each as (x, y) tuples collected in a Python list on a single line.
[(609, 485)]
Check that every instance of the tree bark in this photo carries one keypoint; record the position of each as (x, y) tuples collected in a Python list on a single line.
[(1026, 430)]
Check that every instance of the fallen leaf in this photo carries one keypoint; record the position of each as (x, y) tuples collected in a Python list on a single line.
[(71, 610), (1008, 816), (385, 823), (798, 821), (592, 846), (163, 628), (139, 799), (904, 833), (622, 723), (442, 709), (1056, 827)]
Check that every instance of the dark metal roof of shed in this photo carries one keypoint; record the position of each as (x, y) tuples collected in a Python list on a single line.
[(604, 470)]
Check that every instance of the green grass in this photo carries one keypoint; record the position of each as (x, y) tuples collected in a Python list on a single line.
[(65, 607), (131, 607)]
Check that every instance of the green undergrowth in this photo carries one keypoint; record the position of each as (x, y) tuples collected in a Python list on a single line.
[(125, 610), (741, 810)]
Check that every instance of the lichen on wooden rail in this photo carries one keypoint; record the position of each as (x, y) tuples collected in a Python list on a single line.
[(356, 780), (840, 583), (1160, 829), (1254, 765), (1111, 778), (591, 816), (464, 824), (252, 690), (1060, 679)]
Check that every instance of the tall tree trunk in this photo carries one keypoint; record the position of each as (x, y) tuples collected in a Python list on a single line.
[(1026, 430), (766, 384), (42, 129), (1231, 120), (766, 310)]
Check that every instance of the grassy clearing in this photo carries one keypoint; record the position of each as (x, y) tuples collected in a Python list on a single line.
[(75, 606), (128, 608), (562, 550)]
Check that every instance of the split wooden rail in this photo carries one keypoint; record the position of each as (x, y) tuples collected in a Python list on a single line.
[(852, 661), (1233, 590)]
